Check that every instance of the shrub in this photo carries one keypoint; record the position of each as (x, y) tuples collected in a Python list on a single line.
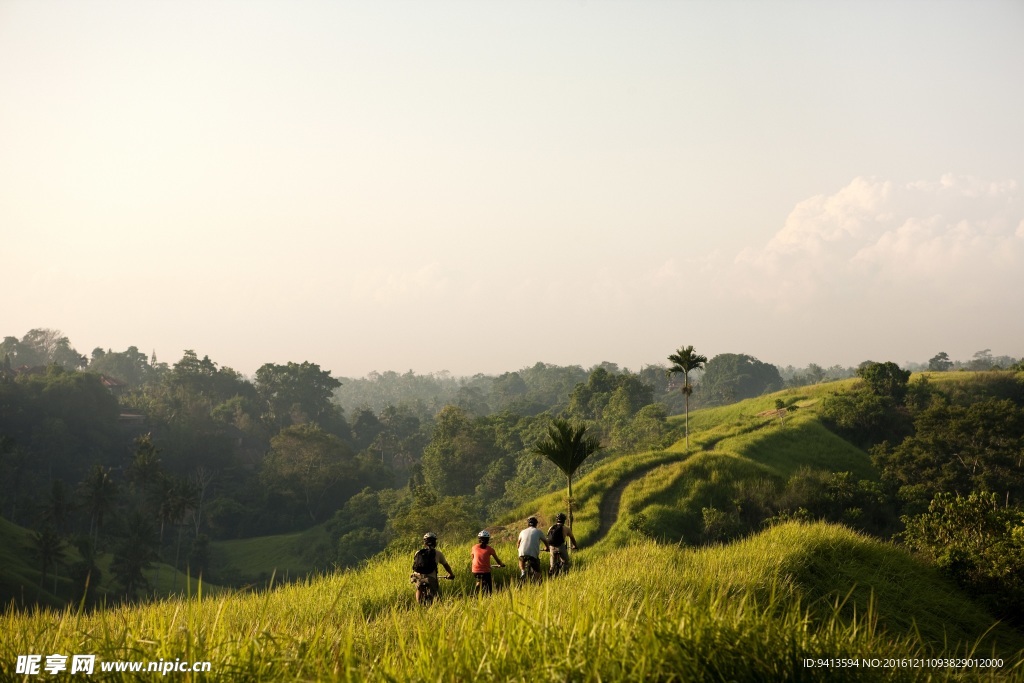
[(978, 544), (359, 545), (865, 418), (720, 525)]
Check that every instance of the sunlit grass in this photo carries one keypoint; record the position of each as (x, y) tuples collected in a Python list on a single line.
[(802, 442), (749, 611), (589, 493)]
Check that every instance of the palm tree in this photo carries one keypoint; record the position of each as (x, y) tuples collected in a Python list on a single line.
[(135, 554), (162, 500), (684, 360), (85, 574), (567, 446), (59, 507), (185, 499), (144, 471), (100, 493), (48, 548), (171, 498)]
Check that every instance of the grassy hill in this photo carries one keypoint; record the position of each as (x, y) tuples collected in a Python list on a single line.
[(638, 606), (751, 610), (256, 560), (21, 581)]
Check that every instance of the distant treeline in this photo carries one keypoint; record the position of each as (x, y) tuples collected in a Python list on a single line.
[(119, 453)]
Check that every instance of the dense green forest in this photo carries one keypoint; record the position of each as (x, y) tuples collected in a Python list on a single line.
[(119, 463)]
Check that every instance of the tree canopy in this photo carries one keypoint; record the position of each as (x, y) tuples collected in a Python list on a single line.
[(731, 377), (885, 379), (297, 393)]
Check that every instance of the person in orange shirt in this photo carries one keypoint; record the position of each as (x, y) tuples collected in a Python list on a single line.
[(481, 555)]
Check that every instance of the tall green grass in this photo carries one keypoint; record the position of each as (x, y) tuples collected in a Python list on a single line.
[(750, 611)]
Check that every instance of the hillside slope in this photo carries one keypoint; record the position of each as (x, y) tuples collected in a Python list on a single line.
[(752, 610), (737, 451), (635, 607), (20, 580)]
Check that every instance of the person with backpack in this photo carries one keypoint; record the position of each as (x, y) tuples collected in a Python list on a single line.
[(481, 555), (425, 562), (529, 542), (557, 536)]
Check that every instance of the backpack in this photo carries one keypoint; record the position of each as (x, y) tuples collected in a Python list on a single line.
[(556, 535), (424, 561)]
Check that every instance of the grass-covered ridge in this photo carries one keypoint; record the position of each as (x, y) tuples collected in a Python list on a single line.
[(735, 450), (751, 610)]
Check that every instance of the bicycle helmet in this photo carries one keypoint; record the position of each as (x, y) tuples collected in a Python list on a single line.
[(483, 534), (430, 538), (532, 521), (560, 517)]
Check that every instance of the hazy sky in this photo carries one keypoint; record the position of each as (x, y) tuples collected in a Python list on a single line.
[(478, 186)]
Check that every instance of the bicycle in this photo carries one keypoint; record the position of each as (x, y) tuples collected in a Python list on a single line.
[(531, 569), (425, 594), (559, 562), (483, 588)]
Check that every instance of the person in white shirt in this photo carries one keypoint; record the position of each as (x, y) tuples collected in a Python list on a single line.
[(530, 539)]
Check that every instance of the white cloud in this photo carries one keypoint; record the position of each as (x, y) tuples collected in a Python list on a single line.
[(824, 219), (959, 238)]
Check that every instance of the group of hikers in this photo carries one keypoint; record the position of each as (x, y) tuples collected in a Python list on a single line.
[(558, 540)]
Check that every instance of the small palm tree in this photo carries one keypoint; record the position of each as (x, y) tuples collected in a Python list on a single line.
[(59, 507), (685, 360), (48, 548), (567, 446), (135, 554), (99, 494), (186, 498)]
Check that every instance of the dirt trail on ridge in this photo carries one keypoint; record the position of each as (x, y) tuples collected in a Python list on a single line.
[(612, 500)]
